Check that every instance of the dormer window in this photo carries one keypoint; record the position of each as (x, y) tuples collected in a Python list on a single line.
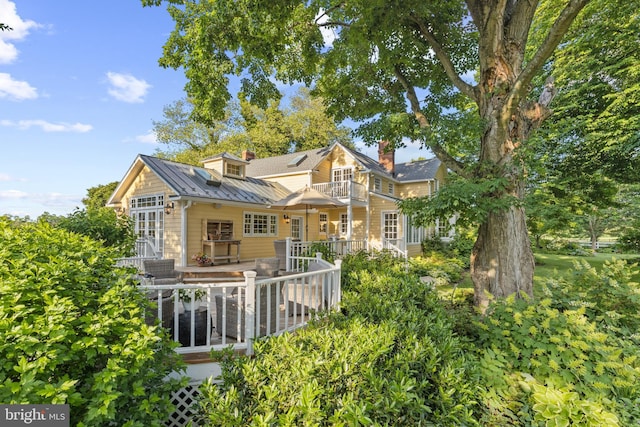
[(234, 170)]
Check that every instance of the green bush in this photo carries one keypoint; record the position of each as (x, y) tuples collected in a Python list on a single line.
[(629, 241), (391, 360), (353, 265), (437, 266), (609, 296), (72, 331), (567, 353), (104, 225), (564, 247)]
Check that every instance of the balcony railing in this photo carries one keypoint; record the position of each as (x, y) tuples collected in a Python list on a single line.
[(343, 190), (236, 313)]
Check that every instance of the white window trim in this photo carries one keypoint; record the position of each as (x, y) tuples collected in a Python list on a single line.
[(272, 219), (377, 184), (382, 223)]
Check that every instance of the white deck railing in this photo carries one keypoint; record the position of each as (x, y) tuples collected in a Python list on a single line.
[(236, 313), (343, 190), (144, 250), (298, 252)]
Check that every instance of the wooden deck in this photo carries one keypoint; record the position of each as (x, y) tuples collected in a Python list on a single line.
[(233, 270)]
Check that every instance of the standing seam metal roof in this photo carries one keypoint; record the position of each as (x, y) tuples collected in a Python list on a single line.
[(188, 181)]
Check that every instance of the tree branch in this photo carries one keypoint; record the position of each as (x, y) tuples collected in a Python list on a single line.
[(440, 152), (553, 39), (444, 59)]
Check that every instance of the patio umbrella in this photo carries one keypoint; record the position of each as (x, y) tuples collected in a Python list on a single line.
[(307, 198)]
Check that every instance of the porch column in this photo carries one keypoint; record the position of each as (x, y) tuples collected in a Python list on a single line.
[(183, 232), (349, 221), (250, 309)]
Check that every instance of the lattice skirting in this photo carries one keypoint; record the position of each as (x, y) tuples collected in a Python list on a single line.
[(183, 399)]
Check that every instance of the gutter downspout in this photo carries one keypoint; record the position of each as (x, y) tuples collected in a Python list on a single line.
[(183, 232)]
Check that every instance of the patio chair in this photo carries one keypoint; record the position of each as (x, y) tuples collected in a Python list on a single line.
[(167, 302), (281, 252), (267, 267), (307, 294), (163, 271), (270, 300)]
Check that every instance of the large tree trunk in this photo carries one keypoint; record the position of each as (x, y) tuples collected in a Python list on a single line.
[(502, 262)]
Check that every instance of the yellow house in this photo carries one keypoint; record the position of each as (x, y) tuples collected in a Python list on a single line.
[(224, 207)]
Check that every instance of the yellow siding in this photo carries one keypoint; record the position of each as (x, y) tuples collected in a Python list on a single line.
[(414, 189), (146, 184), (378, 205), (322, 173), (292, 182)]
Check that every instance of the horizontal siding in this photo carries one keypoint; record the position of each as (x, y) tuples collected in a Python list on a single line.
[(292, 182)]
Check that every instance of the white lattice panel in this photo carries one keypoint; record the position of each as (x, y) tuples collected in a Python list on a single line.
[(183, 399)]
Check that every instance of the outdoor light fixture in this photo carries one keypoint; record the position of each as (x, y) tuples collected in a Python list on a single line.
[(120, 210), (168, 208), (286, 218)]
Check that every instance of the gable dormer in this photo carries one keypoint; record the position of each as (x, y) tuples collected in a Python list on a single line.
[(226, 165)]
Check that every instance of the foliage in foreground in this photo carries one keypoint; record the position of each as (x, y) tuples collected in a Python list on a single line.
[(389, 358), (569, 359), (104, 225), (72, 331)]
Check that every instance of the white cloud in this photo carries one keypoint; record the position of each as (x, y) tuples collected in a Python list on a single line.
[(148, 138), (5, 177), (47, 126), (13, 194), (19, 30), (126, 88), (328, 33), (14, 89)]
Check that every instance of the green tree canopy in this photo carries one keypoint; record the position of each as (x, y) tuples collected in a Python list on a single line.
[(98, 196), (301, 125)]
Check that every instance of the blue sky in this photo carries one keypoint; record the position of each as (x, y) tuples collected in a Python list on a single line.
[(79, 88)]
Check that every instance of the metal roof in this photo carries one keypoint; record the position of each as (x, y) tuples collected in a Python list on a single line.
[(189, 181)]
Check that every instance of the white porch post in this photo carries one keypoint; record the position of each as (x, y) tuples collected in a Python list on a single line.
[(183, 232), (349, 220), (288, 253), (250, 309)]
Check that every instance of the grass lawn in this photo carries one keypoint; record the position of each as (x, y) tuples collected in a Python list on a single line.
[(552, 265)]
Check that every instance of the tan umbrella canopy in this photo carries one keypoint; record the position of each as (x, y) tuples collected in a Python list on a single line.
[(307, 198)]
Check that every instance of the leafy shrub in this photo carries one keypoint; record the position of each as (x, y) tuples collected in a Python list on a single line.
[(104, 225), (629, 241), (563, 350), (353, 265), (564, 247), (72, 331), (392, 360), (433, 244), (437, 266), (325, 250), (609, 297)]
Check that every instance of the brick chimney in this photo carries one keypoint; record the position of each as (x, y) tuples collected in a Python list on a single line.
[(248, 155), (386, 157)]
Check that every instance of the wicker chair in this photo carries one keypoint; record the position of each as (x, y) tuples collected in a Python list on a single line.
[(163, 271), (270, 300), (267, 267), (167, 302)]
